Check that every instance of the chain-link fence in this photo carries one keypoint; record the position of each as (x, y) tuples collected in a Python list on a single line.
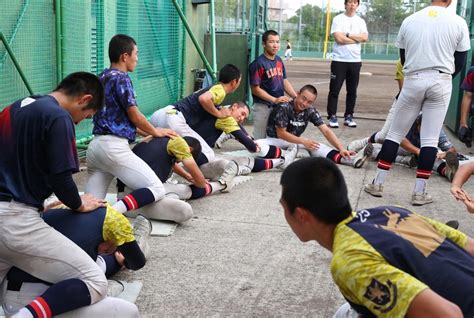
[(51, 39)]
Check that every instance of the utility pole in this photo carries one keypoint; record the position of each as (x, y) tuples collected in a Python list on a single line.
[(301, 15), (279, 20)]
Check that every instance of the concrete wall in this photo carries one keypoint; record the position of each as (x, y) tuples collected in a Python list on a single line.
[(197, 16)]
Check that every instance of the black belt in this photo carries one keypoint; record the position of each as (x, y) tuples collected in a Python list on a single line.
[(14, 285), (5, 198)]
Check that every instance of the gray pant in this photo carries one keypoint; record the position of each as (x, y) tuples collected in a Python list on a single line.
[(30, 244), (261, 112)]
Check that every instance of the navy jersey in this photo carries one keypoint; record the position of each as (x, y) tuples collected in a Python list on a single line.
[(112, 119), (413, 136), (384, 257), (37, 138), (285, 116), (192, 110), (269, 75)]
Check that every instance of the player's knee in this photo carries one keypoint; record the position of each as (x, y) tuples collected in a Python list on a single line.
[(97, 286), (184, 212), (158, 191)]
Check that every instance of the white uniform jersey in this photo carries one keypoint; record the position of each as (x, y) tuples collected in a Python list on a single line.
[(352, 25), (430, 37)]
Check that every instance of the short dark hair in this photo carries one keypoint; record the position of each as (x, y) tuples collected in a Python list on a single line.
[(120, 44), (195, 145), (228, 73), (240, 104), (267, 33), (317, 185), (346, 1), (310, 88), (82, 83)]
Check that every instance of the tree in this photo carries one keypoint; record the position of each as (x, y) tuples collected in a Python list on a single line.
[(313, 22)]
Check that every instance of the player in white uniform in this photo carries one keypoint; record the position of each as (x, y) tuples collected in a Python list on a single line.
[(435, 43)]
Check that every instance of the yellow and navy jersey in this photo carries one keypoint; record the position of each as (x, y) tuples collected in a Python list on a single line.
[(192, 110), (161, 153), (399, 71), (384, 257), (117, 228)]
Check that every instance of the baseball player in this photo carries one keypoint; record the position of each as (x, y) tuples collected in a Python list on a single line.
[(184, 115), (288, 122), (465, 133), (37, 139), (106, 229), (433, 47), (115, 125), (268, 82)]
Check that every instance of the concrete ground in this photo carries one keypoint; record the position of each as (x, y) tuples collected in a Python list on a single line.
[(238, 257)]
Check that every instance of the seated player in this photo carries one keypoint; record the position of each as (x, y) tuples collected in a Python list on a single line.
[(288, 122), (460, 178), (105, 229)]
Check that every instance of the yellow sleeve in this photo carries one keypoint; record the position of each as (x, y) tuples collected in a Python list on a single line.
[(218, 94), (117, 228), (227, 125), (399, 71), (178, 148), (454, 235), (366, 279)]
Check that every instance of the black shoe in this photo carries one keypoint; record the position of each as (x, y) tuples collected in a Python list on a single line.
[(453, 223)]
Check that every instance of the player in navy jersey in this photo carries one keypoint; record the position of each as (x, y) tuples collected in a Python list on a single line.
[(268, 82), (387, 261), (106, 230), (37, 138), (465, 132), (115, 125)]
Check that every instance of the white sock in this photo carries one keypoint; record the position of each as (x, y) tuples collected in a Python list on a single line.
[(120, 206), (23, 313), (380, 176), (420, 185), (347, 162), (216, 186)]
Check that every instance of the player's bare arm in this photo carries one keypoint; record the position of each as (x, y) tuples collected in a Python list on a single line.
[(408, 146), (289, 88), (429, 304), (140, 121), (309, 144), (257, 91), (333, 140), (198, 178), (207, 102)]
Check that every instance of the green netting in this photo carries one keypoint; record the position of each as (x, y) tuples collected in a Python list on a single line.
[(32, 41), (85, 28)]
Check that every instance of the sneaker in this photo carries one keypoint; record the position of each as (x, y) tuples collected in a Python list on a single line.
[(413, 163), (227, 178), (452, 165), (333, 122), (114, 288), (222, 139), (407, 160), (358, 145), (361, 157), (289, 156), (374, 189), (349, 121), (453, 223), (421, 198), (142, 230)]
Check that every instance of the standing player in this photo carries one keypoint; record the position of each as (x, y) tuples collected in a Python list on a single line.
[(268, 83), (288, 51), (465, 132), (37, 139), (349, 30), (115, 125), (387, 261), (288, 122), (435, 43)]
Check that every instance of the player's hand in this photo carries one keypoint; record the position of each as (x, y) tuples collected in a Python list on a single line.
[(106, 247), (346, 153), (258, 148), (165, 132), (120, 259), (90, 203), (310, 144), (282, 99), (460, 194), (224, 112), (441, 155), (470, 206)]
